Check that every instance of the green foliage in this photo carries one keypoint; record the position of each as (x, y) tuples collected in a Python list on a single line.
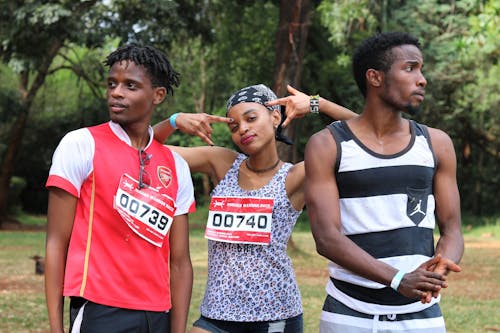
[(40, 38), (461, 50), (462, 60), (343, 18), (237, 53), (17, 185), (32, 28), (220, 46)]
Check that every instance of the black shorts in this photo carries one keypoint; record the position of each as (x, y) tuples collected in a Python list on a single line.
[(86, 316), (290, 325)]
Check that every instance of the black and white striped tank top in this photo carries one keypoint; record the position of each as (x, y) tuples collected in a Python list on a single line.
[(387, 209)]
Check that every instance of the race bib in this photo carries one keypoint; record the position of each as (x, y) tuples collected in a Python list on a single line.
[(147, 212), (240, 220)]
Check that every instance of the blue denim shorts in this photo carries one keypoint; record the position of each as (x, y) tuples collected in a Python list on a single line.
[(290, 325)]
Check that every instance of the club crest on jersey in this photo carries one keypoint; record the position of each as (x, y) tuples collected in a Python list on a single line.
[(416, 206), (165, 176)]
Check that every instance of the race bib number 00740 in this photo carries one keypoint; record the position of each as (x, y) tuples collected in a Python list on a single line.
[(245, 220)]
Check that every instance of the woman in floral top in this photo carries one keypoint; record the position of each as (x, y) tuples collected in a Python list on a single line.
[(251, 285)]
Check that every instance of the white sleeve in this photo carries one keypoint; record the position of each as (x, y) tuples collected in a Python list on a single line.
[(185, 190), (72, 159)]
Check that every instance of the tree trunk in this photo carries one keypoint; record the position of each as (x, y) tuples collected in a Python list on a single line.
[(14, 141), (8, 162), (290, 46), (201, 104)]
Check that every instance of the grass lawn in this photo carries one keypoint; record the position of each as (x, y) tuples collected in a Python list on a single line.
[(470, 304)]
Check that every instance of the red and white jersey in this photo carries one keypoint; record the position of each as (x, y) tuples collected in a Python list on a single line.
[(119, 250)]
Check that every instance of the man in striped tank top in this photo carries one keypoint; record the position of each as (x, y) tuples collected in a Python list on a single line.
[(376, 186)]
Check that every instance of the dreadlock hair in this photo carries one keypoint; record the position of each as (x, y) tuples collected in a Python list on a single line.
[(376, 53), (158, 67)]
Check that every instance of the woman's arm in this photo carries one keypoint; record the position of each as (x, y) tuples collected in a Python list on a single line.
[(297, 105), (213, 161)]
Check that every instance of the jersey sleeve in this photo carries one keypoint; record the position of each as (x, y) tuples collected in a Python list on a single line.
[(185, 202), (72, 161)]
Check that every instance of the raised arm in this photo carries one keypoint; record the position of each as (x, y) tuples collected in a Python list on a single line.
[(297, 105), (199, 124), (323, 207), (211, 160)]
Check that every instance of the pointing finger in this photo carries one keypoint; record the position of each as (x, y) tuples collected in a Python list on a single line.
[(292, 90), (279, 101), (219, 119), (205, 138)]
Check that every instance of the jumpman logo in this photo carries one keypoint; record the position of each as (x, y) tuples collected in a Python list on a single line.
[(417, 209)]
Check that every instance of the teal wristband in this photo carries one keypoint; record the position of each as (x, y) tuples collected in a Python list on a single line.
[(396, 280), (172, 120)]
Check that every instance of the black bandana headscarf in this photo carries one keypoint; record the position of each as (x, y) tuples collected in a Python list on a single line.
[(259, 94)]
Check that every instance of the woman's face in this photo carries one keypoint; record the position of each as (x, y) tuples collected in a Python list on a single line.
[(253, 126)]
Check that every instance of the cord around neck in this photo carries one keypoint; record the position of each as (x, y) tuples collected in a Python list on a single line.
[(249, 167)]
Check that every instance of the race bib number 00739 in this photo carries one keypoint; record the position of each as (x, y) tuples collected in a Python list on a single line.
[(241, 220), (148, 213)]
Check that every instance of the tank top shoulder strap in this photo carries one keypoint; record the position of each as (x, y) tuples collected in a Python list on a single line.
[(231, 176), (338, 129), (422, 130)]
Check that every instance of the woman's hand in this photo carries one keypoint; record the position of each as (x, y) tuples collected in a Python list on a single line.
[(297, 104)]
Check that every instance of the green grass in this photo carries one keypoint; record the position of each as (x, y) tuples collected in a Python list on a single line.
[(469, 305), (22, 301), (31, 220), (481, 227)]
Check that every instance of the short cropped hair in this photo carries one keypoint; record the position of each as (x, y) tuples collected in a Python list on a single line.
[(156, 63), (376, 53)]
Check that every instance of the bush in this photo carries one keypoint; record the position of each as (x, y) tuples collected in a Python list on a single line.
[(17, 185)]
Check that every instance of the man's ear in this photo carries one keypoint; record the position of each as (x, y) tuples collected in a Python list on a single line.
[(374, 77), (159, 95)]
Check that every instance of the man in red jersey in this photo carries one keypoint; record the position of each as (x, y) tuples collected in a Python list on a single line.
[(117, 234)]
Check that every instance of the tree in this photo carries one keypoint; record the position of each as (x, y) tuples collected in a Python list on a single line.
[(221, 45), (33, 34), (460, 45), (291, 41), (32, 64)]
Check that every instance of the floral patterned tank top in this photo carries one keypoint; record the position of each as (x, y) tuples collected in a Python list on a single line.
[(248, 282)]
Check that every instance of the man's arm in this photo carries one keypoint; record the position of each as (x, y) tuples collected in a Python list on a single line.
[(297, 105), (323, 207), (181, 273), (199, 124), (451, 243), (60, 218)]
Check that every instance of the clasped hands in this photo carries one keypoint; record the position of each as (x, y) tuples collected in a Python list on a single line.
[(428, 279)]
